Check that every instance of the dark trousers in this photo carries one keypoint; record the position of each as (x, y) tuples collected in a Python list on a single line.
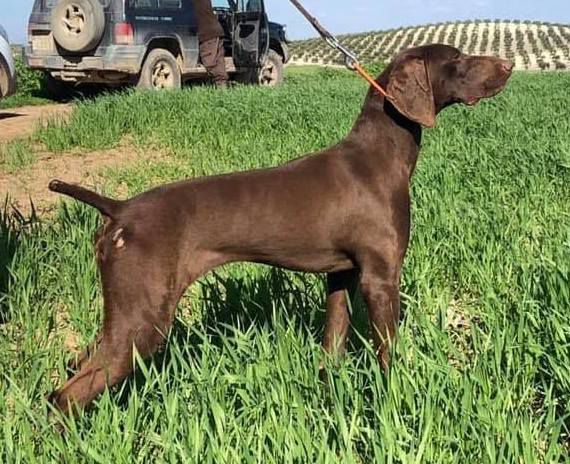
[(212, 54)]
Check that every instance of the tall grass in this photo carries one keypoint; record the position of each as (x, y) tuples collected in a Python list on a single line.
[(481, 372), (15, 155), (29, 90)]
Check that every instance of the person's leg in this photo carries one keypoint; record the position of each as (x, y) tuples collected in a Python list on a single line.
[(212, 54)]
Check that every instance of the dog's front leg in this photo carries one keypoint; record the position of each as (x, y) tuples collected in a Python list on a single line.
[(381, 294), (340, 287)]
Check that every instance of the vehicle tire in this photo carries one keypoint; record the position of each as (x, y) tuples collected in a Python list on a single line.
[(270, 74), (160, 71), (4, 80), (78, 25)]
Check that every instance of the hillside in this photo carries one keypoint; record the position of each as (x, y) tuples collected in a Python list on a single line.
[(532, 45)]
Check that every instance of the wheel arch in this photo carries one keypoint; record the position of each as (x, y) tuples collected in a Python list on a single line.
[(280, 48), (170, 43)]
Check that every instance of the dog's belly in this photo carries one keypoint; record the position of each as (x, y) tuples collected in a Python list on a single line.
[(299, 260), (280, 243)]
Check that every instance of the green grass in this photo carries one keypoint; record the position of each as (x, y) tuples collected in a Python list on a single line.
[(29, 91), (481, 372), (18, 100), (15, 155)]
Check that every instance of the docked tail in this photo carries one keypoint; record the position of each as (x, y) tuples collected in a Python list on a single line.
[(106, 206)]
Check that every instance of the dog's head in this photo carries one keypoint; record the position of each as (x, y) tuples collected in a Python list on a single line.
[(422, 81)]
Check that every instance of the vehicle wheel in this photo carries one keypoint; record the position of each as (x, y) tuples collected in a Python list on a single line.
[(78, 25), (4, 80), (270, 74), (160, 71)]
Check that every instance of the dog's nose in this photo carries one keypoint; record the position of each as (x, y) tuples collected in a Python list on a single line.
[(507, 66)]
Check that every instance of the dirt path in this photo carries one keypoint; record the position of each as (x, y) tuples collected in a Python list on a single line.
[(21, 122), (31, 182)]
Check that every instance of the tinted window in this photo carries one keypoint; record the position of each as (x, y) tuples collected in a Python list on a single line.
[(249, 5), (154, 4), (171, 3), (145, 3)]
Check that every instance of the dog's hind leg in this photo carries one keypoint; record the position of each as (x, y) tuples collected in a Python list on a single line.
[(113, 361), (141, 327), (139, 303), (79, 360)]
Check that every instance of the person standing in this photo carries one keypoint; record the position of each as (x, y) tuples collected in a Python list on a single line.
[(211, 39)]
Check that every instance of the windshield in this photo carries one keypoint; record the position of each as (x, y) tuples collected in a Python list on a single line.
[(250, 5)]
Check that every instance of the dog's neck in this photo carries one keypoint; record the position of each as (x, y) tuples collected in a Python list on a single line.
[(381, 131)]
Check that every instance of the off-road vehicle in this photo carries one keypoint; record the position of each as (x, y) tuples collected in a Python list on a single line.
[(152, 43), (7, 67)]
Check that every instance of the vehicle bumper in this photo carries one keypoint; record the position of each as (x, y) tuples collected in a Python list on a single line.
[(118, 58)]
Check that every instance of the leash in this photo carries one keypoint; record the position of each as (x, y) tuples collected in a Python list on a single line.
[(350, 59)]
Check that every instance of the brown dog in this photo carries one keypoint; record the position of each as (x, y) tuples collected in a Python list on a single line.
[(344, 211)]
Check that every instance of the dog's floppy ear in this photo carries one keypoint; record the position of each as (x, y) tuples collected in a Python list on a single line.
[(410, 91)]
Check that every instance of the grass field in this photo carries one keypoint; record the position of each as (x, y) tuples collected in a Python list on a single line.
[(481, 373)]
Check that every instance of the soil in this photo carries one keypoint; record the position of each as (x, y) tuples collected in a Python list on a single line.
[(21, 122), (30, 185)]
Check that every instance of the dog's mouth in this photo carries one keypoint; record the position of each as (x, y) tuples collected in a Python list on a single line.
[(496, 85), (471, 101), (491, 88)]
